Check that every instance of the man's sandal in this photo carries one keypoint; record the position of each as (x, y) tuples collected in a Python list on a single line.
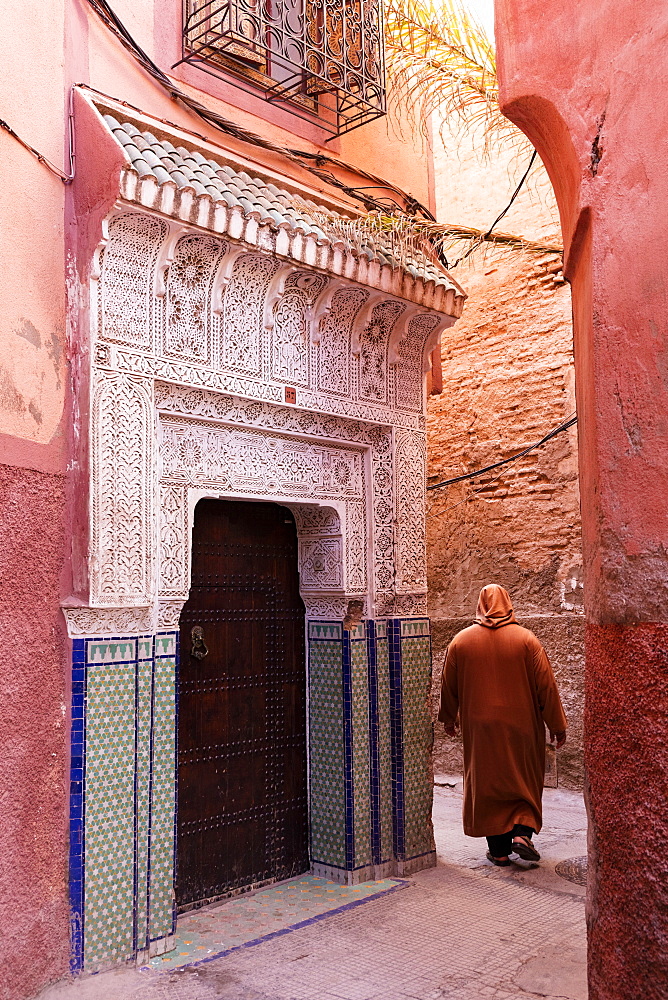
[(499, 862), (525, 849)]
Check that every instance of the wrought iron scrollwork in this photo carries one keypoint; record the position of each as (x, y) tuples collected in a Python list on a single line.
[(324, 55)]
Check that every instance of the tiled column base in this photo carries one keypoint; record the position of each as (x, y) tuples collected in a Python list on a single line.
[(411, 729), (370, 741), (122, 798)]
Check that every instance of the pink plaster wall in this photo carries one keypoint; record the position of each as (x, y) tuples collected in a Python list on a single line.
[(34, 723), (587, 83)]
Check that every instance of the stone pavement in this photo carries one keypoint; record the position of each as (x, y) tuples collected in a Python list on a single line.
[(464, 930)]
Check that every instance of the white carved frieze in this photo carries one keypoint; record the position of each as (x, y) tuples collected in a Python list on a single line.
[(290, 327), (410, 458), (109, 621), (255, 461), (188, 295), (320, 564), (242, 336), (373, 344), (126, 264), (335, 330), (409, 383), (122, 491), (198, 337)]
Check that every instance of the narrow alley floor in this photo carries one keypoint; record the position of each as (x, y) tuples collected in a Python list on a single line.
[(464, 930)]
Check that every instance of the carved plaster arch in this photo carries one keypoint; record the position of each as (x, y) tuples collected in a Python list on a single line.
[(321, 535)]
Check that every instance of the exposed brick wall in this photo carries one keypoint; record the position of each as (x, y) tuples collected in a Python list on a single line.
[(508, 379)]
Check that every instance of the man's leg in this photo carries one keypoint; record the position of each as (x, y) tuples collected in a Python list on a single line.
[(500, 845)]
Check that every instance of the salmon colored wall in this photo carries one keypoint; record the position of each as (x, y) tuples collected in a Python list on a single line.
[(32, 295), (587, 83), (34, 913), (48, 234)]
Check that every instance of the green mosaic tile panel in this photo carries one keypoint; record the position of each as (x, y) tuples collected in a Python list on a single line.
[(325, 630), (326, 752), (144, 695), (110, 812), (413, 627), (361, 768), (418, 783), (165, 644), (384, 745), (161, 848), (110, 650)]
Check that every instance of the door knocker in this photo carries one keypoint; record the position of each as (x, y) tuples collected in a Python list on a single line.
[(199, 649)]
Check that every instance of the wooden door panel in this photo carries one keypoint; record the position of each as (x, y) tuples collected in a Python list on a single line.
[(242, 791)]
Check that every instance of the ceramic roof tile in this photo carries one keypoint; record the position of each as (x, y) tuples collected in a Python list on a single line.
[(257, 198)]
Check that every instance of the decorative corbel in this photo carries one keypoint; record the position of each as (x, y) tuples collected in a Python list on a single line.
[(224, 276), (322, 307), (166, 259), (432, 341), (96, 263), (399, 332), (274, 293), (363, 318)]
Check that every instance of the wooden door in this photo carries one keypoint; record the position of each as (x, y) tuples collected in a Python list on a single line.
[(242, 788)]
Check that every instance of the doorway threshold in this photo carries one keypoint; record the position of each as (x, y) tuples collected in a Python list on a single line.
[(248, 920)]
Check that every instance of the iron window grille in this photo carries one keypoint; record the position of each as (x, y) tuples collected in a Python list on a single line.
[(325, 56)]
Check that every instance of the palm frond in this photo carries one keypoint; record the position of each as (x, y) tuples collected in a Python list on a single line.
[(422, 244), (441, 62)]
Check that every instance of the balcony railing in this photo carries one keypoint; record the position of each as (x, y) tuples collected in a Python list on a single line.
[(324, 56)]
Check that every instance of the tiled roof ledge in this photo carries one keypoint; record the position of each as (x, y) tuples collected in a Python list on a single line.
[(291, 242)]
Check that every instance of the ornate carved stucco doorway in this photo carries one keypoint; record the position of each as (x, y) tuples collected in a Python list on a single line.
[(253, 355)]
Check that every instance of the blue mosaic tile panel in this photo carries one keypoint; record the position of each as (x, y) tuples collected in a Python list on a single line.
[(109, 867), (326, 745), (396, 736), (163, 784), (144, 696), (417, 734), (384, 743), (361, 777), (77, 796), (374, 763)]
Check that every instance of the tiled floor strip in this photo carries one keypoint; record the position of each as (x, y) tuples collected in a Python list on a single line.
[(244, 921)]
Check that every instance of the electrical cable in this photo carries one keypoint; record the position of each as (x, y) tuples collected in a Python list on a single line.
[(65, 178), (476, 242), (506, 461)]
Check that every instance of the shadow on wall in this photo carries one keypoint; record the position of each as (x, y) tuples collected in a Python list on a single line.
[(563, 639)]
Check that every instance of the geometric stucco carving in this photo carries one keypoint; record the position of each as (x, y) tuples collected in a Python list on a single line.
[(195, 340), (122, 491)]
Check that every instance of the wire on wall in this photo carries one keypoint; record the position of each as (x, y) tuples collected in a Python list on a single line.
[(506, 461), (65, 178)]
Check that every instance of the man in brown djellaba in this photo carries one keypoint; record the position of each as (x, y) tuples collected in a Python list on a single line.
[(498, 683)]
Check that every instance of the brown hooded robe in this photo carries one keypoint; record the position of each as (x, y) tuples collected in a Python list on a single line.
[(498, 678)]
